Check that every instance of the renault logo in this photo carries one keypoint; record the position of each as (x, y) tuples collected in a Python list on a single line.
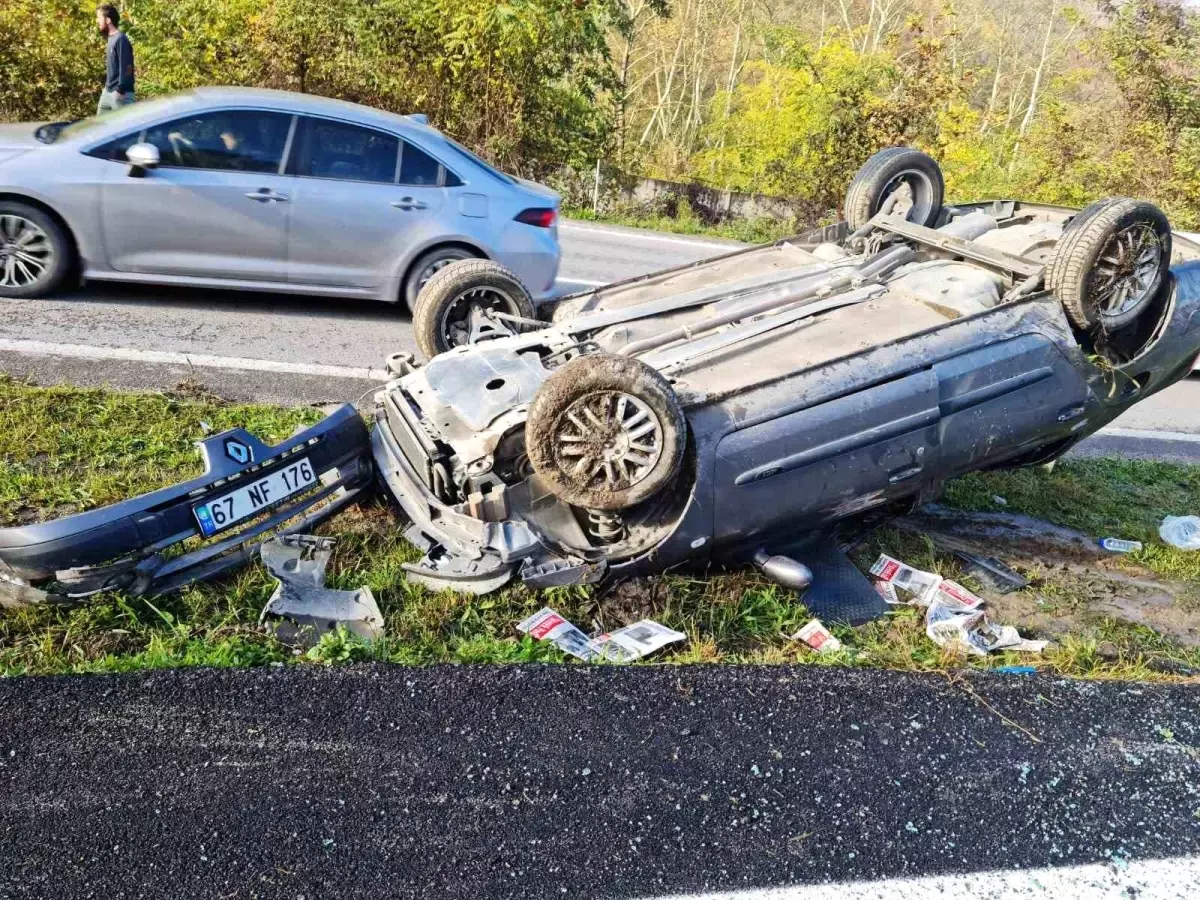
[(238, 451)]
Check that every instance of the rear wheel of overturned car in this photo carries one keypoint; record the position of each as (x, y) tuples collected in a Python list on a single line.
[(912, 180), (605, 432), (447, 311), (35, 253), (1110, 263)]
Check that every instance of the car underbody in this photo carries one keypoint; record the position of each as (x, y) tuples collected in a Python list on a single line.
[(704, 415)]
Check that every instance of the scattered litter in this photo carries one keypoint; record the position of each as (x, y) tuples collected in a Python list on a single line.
[(547, 625), (635, 641), (302, 608), (1119, 545), (623, 645), (953, 594), (999, 501), (1016, 670), (921, 585), (992, 573), (948, 624), (1182, 532), (887, 591), (817, 636)]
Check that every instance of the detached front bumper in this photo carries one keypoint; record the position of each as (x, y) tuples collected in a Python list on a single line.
[(132, 545)]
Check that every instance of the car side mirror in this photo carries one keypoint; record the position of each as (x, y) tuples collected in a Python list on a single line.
[(141, 158)]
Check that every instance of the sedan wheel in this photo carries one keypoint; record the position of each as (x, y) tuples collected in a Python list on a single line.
[(35, 254), (26, 253)]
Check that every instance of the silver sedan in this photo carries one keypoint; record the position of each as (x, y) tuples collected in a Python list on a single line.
[(260, 190)]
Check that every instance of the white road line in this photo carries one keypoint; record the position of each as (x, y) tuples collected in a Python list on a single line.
[(649, 236), (586, 282), (203, 360), (1151, 879), (1148, 434)]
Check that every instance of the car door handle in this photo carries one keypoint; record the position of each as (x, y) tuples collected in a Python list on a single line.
[(409, 203), (262, 195)]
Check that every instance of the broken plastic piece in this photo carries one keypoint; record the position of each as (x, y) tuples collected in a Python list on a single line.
[(992, 573), (302, 608)]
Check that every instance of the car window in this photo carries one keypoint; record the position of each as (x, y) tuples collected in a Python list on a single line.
[(455, 147), (238, 140), (115, 149), (417, 167), (348, 152)]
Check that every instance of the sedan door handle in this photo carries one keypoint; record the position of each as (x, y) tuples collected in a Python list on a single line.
[(262, 195), (409, 203)]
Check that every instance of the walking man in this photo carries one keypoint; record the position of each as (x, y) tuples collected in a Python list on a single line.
[(118, 83)]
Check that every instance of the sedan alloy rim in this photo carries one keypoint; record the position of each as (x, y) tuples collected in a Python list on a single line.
[(1126, 274), (456, 320), (25, 251), (608, 440)]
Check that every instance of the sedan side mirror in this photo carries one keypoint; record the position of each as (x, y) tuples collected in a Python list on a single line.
[(141, 157)]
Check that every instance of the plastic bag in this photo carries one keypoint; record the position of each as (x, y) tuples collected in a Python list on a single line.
[(1181, 531)]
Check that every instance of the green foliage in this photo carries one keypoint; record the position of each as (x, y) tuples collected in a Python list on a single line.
[(521, 81)]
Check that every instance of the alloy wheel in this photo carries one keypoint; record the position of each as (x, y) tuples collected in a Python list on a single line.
[(608, 440), (25, 251)]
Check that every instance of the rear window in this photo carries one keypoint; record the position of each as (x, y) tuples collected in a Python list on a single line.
[(457, 148)]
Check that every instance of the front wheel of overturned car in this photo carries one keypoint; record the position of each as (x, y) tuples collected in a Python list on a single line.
[(606, 432), (909, 179), (448, 310), (1110, 263), (35, 253)]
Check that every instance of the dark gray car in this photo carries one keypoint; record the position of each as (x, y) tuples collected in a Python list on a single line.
[(710, 413)]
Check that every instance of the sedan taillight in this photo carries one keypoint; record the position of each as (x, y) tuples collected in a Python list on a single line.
[(539, 217)]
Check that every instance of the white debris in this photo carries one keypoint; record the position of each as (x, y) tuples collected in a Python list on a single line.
[(635, 641), (953, 594), (1182, 532), (921, 585), (623, 645), (817, 636), (949, 624), (547, 625)]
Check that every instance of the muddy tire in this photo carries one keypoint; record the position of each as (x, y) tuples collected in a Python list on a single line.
[(1110, 263), (35, 252), (441, 315), (605, 432), (892, 170)]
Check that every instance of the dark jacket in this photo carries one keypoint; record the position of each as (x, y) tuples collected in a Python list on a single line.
[(120, 64)]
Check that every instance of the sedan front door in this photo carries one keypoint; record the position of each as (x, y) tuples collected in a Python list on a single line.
[(363, 198), (216, 207)]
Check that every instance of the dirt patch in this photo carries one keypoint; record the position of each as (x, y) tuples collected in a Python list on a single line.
[(1074, 586), (628, 601)]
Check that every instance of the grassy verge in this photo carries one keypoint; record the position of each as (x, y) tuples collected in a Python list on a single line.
[(63, 449), (751, 231)]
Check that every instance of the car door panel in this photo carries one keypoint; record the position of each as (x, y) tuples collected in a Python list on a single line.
[(351, 222), (998, 399), (189, 216), (852, 452)]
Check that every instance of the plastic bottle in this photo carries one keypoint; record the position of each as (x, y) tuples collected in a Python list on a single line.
[(1181, 531), (1120, 545)]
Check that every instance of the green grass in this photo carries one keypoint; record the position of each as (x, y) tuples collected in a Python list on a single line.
[(63, 449), (751, 231)]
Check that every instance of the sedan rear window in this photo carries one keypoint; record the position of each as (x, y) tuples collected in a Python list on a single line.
[(340, 151)]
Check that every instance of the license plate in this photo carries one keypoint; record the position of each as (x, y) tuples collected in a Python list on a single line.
[(245, 502)]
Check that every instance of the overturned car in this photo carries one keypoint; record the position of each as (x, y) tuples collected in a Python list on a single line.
[(710, 413)]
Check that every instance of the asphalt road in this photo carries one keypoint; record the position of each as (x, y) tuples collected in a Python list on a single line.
[(153, 338), (589, 782)]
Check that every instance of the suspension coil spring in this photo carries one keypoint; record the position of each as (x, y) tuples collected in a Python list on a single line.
[(605, 527)]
